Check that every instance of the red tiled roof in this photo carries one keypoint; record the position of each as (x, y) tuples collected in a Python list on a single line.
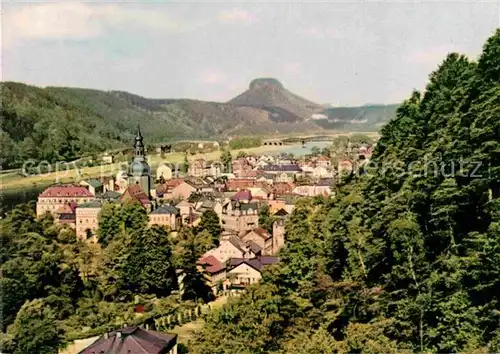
[(240, 183), (174, 182), (280, 188), (68, 208), (66, 191), (136, 192), (211, 264), (242, 195)]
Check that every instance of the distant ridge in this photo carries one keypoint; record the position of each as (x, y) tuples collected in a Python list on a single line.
[(97, 120)]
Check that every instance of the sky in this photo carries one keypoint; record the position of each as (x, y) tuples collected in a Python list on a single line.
[(342, 53)]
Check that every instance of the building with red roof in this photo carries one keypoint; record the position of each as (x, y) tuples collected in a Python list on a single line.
[(213, 270), (56, 197), (240, 183), (243, 196), (66, 214), (135, 193)]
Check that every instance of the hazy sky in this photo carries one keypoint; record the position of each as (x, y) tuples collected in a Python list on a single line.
[(339, 52)]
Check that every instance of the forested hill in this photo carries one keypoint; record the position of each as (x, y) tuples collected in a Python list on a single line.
[(61, 123), (403, 259)]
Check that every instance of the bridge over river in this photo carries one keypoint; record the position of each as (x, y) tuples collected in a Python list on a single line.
[(300, 139)]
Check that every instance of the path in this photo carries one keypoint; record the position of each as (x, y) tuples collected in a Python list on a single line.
[(186, 330)]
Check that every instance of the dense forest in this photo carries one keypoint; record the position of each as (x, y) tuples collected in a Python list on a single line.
[(406, 257), (56, 288)]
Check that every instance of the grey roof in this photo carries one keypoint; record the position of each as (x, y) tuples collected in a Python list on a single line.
[(257, 263), (110, 195), (325, 182), (282, 168), (255, 248), (246, 206), (133, 340), (94, 183), (166, 209), (236, 242), (266, 260), (91, 204)]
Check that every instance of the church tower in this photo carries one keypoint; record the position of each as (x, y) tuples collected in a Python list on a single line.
[(139, 171)]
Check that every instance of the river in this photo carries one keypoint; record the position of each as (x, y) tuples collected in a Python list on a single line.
[(298, 149), (10, 198)]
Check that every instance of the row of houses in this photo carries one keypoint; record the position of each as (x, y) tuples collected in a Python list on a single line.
[(239, 259), (269, 168)]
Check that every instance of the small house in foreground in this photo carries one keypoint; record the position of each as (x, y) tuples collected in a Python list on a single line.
[(134, 340)]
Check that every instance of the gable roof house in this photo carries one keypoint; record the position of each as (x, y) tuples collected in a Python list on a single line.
[(243, 196), (55, 197), (213, 270), (183, 190), (166, 215), (93, 185), (135, 340), (260, 237), (66, 214), (135, 194), (241, 272), (231, 247)]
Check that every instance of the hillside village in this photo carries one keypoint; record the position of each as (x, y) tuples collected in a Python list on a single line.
[(238, 196)]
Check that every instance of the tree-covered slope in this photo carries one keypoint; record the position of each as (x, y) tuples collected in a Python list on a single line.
[(63, 124), (56, 124), (362, 118), (406, 257)]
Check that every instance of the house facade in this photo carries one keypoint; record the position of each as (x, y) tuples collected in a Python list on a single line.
[(87, 220), (240, 218), (231, 247), (168, 216), (56, 197), (182, 191), (165, 172), (260, 237)]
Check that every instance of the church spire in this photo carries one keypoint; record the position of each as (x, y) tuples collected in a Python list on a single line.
[(139, 150)]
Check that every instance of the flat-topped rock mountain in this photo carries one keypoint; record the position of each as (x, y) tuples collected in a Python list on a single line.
[(283, 105)]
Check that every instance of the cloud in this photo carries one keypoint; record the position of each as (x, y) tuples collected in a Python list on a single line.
[(316, 32), (54, 20), (292, 68), (236, 16), (212, 77), (72, 20), (430, 56)]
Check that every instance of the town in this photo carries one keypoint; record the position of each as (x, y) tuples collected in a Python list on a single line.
[(256, 184)]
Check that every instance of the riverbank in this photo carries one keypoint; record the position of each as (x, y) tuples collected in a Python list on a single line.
[(16, 182)]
